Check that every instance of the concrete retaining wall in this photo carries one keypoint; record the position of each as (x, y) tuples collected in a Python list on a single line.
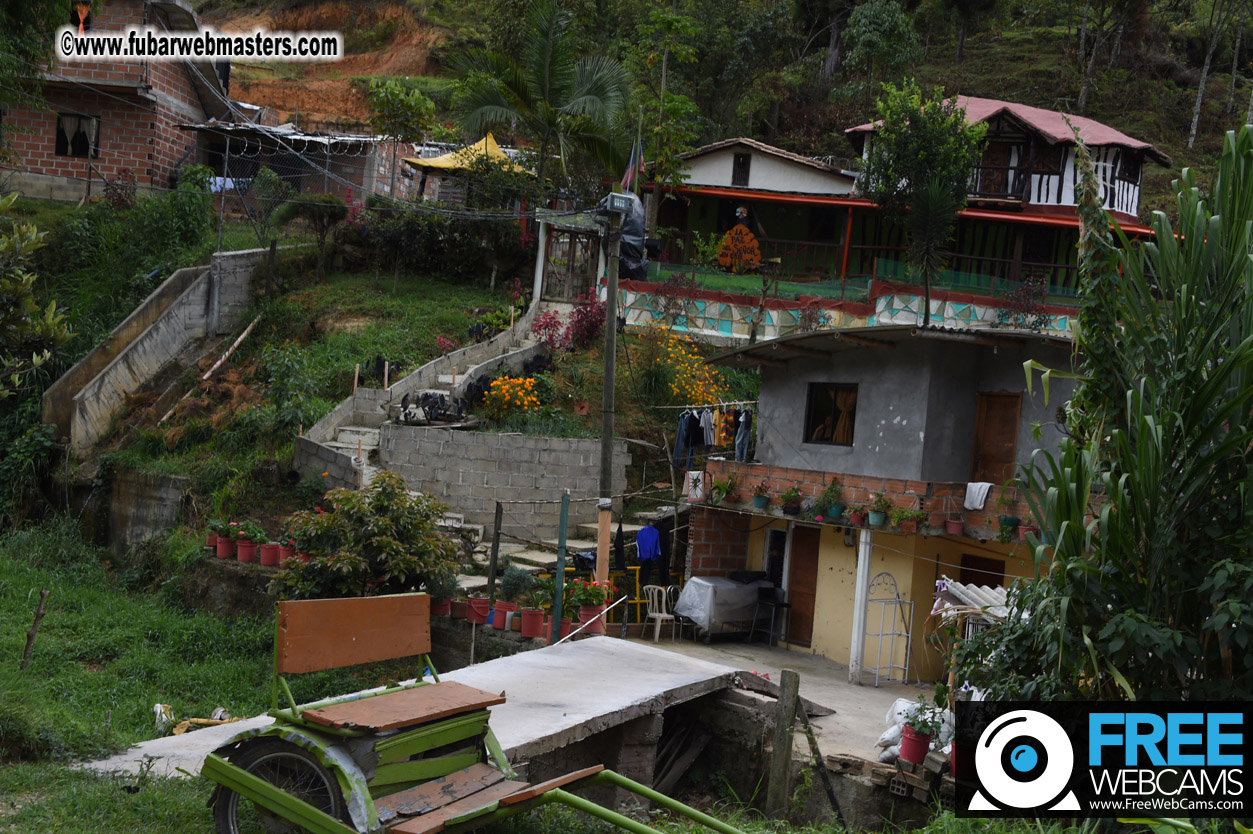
[(470, 471), (142, 505), (58, 398), (311, 459)]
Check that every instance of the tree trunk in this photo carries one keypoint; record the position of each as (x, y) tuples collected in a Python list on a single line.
[(835, 49), (1083, 37), (961, 40), (1230, 108), (1116, 46), (1088, 74), (1200, 88)]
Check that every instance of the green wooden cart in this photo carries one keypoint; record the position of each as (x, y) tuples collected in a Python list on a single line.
[(418, 758)]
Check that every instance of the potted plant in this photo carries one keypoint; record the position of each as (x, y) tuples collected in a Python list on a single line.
[(790, 498), (831, 500), (513, 587), (856, 514), (442, 587), (722, 490), (216, 528), (267, 554), (477, 609), (954, 525), (1006, 521), (248, 535), (880, 506), (761, 494), (538, 595), (591, 597), (225, 547), (921, 727), (906, 521)]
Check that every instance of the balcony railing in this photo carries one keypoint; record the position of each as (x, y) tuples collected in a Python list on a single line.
[(999, 182)]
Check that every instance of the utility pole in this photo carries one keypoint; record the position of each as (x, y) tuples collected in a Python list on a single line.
[(607, 403)]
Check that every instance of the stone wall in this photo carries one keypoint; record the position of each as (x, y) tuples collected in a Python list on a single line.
[(142, 505), (311, 459), (470, 471)]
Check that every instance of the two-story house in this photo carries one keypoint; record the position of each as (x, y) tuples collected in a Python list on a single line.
[(914, 414), (101, 117)]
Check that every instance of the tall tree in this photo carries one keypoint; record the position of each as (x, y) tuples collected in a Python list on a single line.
[(1221, 15), (881, 42), (400, 114), (918, 169), (26, 30), (558, 100)]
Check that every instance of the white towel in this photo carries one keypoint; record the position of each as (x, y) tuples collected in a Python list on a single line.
[(976, 494)]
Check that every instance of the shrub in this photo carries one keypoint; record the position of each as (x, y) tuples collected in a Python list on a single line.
[(549, 329), (587, 321), (509, 395), (378, 540), (323, 212)]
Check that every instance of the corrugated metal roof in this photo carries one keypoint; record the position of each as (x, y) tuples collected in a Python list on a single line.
[(949, 592)]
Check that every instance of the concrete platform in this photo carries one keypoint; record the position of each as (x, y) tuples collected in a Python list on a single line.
[(556, 695)]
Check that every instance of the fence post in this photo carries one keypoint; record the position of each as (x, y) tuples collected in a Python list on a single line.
[(781, 755)]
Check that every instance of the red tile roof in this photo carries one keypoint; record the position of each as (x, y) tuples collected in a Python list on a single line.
[(1050, 124)]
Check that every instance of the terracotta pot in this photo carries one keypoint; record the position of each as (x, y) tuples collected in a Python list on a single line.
[(856, 518), (245, 551), (457, 608), (587, 613), (285, 552), (914, 745), (502, 609), (225, 548), (441, 607), (953, 526), (532, 622), (477, 609), (211, 540), (268, 555), (303, 555)]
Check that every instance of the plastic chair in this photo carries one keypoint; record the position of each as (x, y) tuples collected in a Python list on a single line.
[(771, 598), (658, 609), (680, 622)]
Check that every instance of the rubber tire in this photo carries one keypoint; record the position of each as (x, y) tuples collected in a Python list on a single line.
[(286, 765)]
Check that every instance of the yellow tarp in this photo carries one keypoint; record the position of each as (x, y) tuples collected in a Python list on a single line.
[(462, 159)]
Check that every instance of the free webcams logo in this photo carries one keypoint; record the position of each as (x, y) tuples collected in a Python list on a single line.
[(1103, 759)]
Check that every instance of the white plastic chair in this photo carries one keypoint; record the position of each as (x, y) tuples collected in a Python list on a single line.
[(658, 609)]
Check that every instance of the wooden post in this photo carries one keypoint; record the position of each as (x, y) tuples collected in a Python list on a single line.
[(781, 756), (559, 577), (604, 524), (34, 629), (491, 565), (269, 267), (387, 368), (356, 375)]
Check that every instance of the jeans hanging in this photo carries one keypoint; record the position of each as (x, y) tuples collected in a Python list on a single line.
[(742, 436), (682, 449)]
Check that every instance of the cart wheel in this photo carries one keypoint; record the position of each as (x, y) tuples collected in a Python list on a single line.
[(290, 769)]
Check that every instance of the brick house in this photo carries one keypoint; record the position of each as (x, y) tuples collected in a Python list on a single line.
[(102, 117), (916, 415)]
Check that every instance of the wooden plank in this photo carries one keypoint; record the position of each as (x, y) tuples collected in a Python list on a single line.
[(320, 634), (544, 787), (420, 770), (437, 792), (404, 708), (480, 802), (407, 744)]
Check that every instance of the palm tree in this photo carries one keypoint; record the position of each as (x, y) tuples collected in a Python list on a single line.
[(559, 101), (929, 228)]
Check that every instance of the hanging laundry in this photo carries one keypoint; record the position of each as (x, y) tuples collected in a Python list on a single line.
[(743, 434), (682, 457), (707, 425), (647, 549), (696, 435), (619, 548)]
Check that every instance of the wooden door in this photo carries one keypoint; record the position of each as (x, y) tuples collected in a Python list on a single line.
[(802, 584), (996, 437)]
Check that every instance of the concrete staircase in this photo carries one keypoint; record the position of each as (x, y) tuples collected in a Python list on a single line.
[(361, 443)]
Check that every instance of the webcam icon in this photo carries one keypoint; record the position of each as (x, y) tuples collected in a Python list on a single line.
[(1024, 761)]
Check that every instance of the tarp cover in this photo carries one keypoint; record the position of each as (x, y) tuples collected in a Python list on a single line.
[(464, 158), (632, 263)]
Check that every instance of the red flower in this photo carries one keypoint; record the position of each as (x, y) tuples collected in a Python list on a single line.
[(320, 510)]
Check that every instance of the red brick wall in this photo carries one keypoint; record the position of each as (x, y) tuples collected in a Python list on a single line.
[(718, 541)]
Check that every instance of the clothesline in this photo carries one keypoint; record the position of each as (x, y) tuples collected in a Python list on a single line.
[(711, 405)]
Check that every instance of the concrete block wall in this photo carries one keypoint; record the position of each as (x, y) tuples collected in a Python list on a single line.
[(58, 399), (232, 277), (311, 459), (470, 471), (510, 363)]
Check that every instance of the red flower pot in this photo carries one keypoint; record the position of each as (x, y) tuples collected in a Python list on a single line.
[(588, 613), (285, 552), (502, 609), (245, 551), (910, 526), (953, 526), (565, 628), (457, 608), (441, 607), (532, 622), (225, 547), (303, 555), (1023, 530), (914, 746), (268, 554), (857, 519), (211, 540), (477, 609)]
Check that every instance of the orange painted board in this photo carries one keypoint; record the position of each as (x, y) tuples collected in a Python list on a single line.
[(405, 708), (544, 787), (437, 793), (317, 634), (433, 822)]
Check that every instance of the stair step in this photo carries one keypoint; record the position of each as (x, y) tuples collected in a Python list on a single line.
[(591, 531), (574, 544), (349, 448), (351, 434), (534, 559), (471, 584)]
